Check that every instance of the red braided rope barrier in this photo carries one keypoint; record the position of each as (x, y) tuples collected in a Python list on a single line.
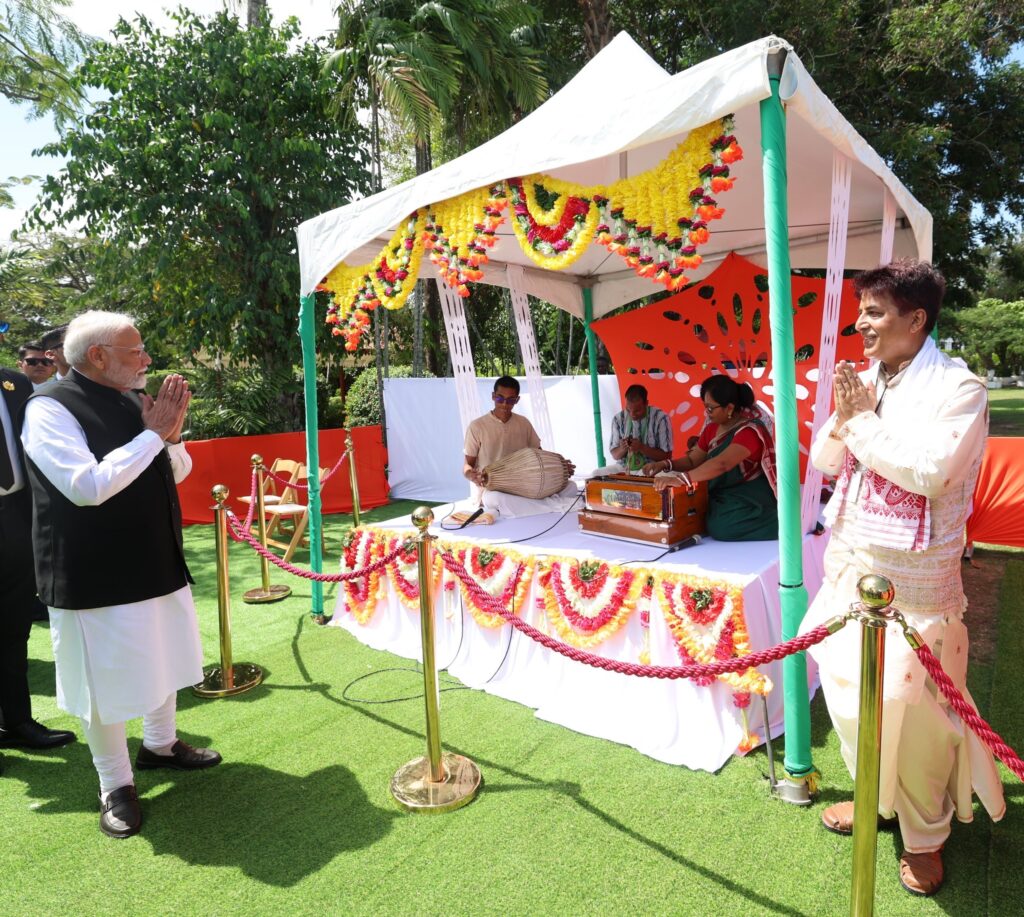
[(252, 503), (241, 535), (286, 483), (739, 664), (968, 714)]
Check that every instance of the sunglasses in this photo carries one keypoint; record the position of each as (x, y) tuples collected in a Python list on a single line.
[(501, 399), (38, 361)]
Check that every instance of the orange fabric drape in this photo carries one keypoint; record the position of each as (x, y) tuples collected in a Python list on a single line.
[(998, 516), (226, 461)]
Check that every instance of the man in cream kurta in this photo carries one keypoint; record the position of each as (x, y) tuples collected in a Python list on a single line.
[(913, 429), (491, 437)]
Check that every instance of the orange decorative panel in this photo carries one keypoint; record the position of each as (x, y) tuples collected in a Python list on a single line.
[(720, 325)]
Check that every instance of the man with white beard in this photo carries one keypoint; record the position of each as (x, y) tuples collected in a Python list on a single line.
[(103, 462)]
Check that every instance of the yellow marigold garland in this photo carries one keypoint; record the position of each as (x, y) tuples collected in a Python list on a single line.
[(701, 640), (459, 231), (362, 547), (563, 587), (493, 571), (387, 281)]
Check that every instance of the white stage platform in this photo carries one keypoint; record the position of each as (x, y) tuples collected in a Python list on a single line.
[(679, 722)]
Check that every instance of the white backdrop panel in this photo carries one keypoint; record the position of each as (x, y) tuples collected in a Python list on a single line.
[(425, 439)]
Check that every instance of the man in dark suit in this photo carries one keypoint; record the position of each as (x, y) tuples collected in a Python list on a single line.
[(17, 579)]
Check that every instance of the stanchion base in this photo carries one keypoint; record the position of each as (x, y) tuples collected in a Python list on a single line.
[(414, 792), (797, 791), (244, 675), (273, 594)]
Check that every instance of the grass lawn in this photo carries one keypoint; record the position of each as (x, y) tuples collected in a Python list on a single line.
[(298, 820), (1006, 412)]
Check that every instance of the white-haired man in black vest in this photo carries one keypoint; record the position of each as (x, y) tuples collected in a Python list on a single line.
[(103, 463)]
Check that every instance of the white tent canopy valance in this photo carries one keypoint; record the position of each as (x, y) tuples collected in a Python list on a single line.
[(620, 116)]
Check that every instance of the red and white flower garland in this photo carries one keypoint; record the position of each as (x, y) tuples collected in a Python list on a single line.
[(362, 548), (587, 602)]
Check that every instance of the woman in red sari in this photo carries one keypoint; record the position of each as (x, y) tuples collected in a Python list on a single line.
[(735, 455)]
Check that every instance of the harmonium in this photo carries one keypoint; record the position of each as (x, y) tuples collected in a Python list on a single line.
[(628, 507)]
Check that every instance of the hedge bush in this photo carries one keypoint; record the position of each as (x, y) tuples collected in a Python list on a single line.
[(362, 407)]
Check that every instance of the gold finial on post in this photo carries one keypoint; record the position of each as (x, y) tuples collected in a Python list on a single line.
[(353, 478), (266, 592), (876, 594), (229, 677), (439, 781)]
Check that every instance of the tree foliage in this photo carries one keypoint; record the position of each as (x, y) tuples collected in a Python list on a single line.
[(211, 147), (993, 336), (38, 49), (930, 84)]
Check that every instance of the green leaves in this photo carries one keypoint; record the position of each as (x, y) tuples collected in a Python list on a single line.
[(211, 148)]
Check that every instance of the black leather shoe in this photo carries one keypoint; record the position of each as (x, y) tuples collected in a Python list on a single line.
[(183, 757), (121, 815), (31, 734)]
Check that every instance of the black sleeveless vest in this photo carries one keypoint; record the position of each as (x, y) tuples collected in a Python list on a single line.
[(128, 548)]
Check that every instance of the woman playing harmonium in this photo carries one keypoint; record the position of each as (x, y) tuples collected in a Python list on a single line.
[(735, 455)]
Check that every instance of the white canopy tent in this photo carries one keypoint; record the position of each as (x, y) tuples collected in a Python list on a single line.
[(621, 116)]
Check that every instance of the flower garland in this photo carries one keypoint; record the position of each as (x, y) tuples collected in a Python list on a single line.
[(583, 614), (403, 571), (706, 622), (496, 573), (387, 281), (459, 231), (657, 220), (554, 237), (361, 548)]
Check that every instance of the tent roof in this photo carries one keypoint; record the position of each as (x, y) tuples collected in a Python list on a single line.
[(620, 116)]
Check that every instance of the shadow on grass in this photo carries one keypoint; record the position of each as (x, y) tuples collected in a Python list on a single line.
[(275, 827), (570, 790)]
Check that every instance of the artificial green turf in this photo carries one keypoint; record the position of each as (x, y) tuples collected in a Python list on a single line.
[(298, 820)]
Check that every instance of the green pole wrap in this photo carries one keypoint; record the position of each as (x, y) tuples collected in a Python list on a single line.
[(595, 394), (307, 334), (792, 594)]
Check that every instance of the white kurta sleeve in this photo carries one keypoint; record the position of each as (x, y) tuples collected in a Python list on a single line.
[(181, 461), (937, 456), (56, 443), (827, 452)]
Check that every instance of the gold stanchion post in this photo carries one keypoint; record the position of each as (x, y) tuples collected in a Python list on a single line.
[(229, 677), (266, 593), (350, 448), (876, 595), (438, 782)]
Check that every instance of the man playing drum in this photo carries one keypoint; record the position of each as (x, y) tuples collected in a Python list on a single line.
[(495, 435)]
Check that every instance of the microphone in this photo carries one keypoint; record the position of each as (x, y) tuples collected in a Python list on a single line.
[(473, 516), (685, 543)]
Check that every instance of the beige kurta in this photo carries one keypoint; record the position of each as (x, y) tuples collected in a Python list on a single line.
[(928, 437)]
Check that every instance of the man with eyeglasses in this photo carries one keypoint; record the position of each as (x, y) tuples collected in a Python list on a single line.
[(35, 364), (103, 463), (498, 433)]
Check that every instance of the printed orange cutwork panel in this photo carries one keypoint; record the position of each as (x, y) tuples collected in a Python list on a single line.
[(720, 324)]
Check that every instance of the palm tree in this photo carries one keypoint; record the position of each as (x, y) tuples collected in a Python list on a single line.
[(443, 62)]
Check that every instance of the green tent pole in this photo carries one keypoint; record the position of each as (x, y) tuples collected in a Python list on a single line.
[(792, 593), (595, 394), (307, 334)]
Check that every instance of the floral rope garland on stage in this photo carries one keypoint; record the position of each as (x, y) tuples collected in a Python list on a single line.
[(655, 222), (403, 571), (587, 602), (706, 622), (361, 548), (503, 575)]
